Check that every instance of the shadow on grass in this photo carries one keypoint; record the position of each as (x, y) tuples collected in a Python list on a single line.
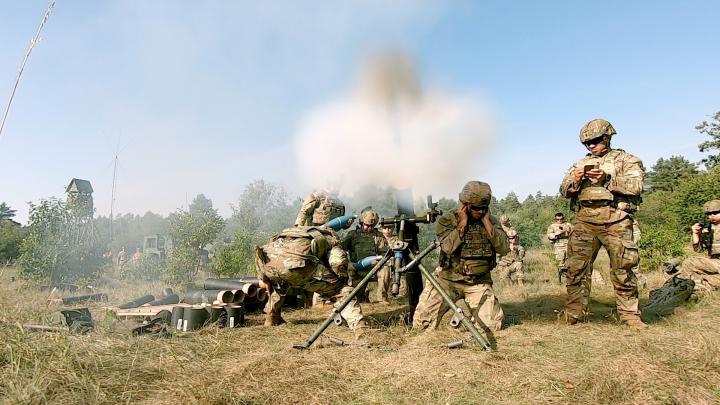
[(545, 308)]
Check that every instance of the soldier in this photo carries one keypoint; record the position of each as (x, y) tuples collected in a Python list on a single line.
[(121, 261), (704, 271), (510, 266), (365, 241), (505, 223), (470, 238), (384, 275), (136, 257), (319, 207), (308, 258), (558, 233), (604, 188)]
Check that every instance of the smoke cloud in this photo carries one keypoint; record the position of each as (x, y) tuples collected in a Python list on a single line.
[(392, 132)]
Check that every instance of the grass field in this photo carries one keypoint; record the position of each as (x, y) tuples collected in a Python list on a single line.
[(676, 360)]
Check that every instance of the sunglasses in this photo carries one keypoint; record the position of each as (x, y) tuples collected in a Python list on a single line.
[(478, 208), (712, 213), (594, 141)]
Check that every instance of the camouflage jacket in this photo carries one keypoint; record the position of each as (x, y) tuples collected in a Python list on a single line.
[(559, 233), (516, 254), (612, 199)]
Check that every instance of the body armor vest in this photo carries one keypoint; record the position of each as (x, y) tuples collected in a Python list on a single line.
[(363, 245), (595, 195), (476, 244), (714, 249)]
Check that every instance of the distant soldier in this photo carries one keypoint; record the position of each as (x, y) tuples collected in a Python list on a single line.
[(604, 189), (121, 260), (384, 275), (558, 233), (308, 258), (136, 257), (704, 271), (364, 241), (510, 266), (320, 207), (505, 223), (469, 240)]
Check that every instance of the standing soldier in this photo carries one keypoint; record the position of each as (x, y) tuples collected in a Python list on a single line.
[(604, 189), (510, 266), (121, 261), (362, 242), (469, 240), (558, 233)]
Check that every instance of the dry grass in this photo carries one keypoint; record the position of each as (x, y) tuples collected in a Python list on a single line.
[(677, 360)]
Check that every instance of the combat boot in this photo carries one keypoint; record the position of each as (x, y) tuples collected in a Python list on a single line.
[(635, 323), (273, 320), (566, 318)]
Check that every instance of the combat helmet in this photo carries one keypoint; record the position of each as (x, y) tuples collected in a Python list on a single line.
[(596, 128), (476, 193), (369, 217), (711, 206)]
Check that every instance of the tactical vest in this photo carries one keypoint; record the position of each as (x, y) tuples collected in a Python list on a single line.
[(476, 244), (714, 248), (327, 209), (596, 195), (363, 245)]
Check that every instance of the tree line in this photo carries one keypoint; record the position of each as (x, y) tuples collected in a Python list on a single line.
[(201, 240)]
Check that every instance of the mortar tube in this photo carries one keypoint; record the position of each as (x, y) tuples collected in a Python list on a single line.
[(225, 284), (248, 279), (166, 300), (85, 298), (208, 296), (262, 295), (137, 302), (238, 296)]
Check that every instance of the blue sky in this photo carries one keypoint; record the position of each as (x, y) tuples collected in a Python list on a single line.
[(205, 96)]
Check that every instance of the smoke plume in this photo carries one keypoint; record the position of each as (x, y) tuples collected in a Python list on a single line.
[(392, 132)]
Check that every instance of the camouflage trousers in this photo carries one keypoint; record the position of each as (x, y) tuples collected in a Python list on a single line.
[(480, 298), (561, 255), (320, 280), (583, 247), (383, 284), (704, 271), (513, 271)]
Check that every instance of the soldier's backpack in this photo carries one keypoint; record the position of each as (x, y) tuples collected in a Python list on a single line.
[(329, 208), (671, 295)]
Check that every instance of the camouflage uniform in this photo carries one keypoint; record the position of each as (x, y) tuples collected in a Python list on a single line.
[(318, 208), (360, 245), (705, 271), (602, 218), (308, 258), (505, 223), (122, 260), (559, 235), (510, 266), (466, 260)]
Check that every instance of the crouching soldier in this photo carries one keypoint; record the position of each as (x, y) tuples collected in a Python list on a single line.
[(470, 238), (510, 266), (309, 258), (704, 271)]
